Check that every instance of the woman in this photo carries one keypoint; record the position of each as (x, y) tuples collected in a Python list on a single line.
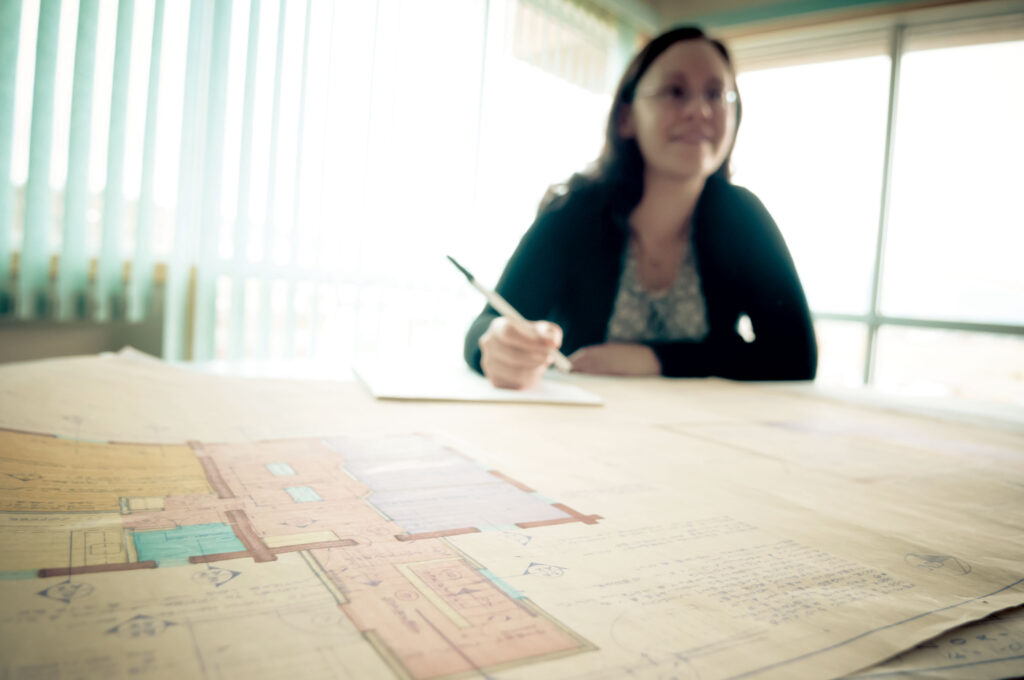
[(646, 264)]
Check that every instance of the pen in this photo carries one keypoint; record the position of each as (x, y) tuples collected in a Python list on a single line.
[(562, 362)]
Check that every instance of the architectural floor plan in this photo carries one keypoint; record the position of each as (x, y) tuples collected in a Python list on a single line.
[(367, 517), (162, 522)]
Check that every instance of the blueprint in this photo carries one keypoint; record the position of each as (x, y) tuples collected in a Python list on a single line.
[(157, 522), (990, 649), (160, 543)]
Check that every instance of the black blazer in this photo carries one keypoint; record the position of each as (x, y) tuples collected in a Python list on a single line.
[(568, 265)]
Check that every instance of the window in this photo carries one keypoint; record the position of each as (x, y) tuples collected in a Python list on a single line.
[(300, 170), (890, 157), (956, 227), (811, 145)]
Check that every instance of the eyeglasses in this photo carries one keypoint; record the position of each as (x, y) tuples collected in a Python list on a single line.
[(678, 97)]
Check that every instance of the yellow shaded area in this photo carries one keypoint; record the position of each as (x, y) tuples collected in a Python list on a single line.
[(146, 503), (46, 474), (50, 540), (432, 596), (300, 539)]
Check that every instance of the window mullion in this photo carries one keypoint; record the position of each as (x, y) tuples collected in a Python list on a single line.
[(895, 56)]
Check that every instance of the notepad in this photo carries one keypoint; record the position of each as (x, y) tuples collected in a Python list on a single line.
[(386, 380)]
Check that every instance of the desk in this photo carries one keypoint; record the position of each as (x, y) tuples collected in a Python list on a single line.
[(159, 522)]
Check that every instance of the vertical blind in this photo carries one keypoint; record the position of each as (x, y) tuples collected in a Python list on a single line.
[(282, 178)]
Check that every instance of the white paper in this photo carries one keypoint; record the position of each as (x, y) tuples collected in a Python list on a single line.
[(386, 380)]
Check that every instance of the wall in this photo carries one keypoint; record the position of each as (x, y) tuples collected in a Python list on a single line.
[(27, 340)]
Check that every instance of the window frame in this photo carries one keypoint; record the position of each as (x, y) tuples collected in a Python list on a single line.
[(985, 22)]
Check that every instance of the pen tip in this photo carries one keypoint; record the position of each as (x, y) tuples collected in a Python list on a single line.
[(460, 267)]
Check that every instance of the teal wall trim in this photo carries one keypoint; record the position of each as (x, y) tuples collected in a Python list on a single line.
[(785, 10)]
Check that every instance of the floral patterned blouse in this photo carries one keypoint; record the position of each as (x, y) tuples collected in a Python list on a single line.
[(675, 313)]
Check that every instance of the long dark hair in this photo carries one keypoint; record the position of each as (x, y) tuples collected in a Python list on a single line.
[(620, 167)]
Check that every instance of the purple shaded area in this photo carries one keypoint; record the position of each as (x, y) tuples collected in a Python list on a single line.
[(426, 487)]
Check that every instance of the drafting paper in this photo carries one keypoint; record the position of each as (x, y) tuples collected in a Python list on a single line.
[(161, 522)]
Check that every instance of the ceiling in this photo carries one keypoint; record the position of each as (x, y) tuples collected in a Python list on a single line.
[(658, 15), (672, 12)]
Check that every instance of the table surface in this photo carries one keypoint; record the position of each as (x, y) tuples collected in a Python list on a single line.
[(164, 522)]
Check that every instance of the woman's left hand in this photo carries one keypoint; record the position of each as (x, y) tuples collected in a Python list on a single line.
[(616, 358)]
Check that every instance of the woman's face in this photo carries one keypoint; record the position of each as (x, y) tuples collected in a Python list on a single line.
[(683, 114)]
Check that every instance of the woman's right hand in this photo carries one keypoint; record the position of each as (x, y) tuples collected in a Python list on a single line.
[(516, 360)]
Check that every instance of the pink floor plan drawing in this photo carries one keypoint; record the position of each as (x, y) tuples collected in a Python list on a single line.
[(371, 518)]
